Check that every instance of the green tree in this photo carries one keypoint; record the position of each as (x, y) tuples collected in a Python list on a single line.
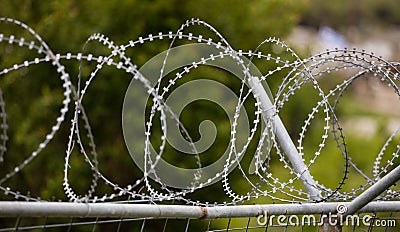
[(65, 25)]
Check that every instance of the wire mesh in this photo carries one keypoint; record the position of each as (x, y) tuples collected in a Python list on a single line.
[(379, 222)]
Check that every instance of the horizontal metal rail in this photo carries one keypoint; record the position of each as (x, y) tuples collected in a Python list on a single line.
[(114, 210)]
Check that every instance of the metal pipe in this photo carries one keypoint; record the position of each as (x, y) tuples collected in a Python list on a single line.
[(375, 190), (114, 210), (284, 139)]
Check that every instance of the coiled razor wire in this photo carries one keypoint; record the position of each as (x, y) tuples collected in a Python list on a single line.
[(297, 73)]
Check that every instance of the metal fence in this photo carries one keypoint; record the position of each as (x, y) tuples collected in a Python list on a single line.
[(160, 198), (185, 218)]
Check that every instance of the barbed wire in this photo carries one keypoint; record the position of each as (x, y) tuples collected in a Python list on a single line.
[(263, 182)]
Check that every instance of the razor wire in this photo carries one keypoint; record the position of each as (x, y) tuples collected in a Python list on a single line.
[(298, 73)]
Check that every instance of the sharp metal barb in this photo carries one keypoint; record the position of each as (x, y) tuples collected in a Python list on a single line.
[(323, 133)]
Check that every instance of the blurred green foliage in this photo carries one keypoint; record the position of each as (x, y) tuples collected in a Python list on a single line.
[(33, 96), (65, 25)]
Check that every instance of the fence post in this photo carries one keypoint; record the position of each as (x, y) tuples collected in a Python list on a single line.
[(289, 148), (375, 190), (284, 139)]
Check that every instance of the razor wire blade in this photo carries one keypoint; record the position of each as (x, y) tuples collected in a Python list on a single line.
[(159, 79)]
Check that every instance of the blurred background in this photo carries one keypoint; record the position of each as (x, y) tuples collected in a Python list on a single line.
[(33, 95), (308, 26)]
